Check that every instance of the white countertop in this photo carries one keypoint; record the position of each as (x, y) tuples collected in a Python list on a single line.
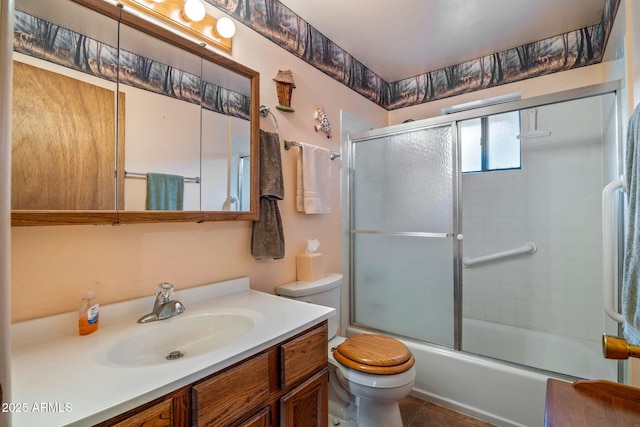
[(60, 378)]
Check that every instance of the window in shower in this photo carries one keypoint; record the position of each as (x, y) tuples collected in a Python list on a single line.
[(490, 143)]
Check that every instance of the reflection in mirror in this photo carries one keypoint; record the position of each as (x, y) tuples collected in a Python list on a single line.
[(240, 179), (225, 133), (71, 131), (161, 103), (240, 167), (64, 116)]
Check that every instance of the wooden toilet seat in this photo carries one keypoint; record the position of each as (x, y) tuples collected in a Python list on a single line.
[(374, 354)]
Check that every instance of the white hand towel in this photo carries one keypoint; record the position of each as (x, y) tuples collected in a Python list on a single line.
[(313, 193)]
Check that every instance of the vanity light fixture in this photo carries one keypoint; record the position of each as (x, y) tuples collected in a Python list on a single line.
[(188, 17), (193, 11), (225, 27)]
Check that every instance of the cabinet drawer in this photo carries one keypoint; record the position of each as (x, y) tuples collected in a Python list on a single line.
[(303, 356), (230, 395), (171, 410), (159, 415)]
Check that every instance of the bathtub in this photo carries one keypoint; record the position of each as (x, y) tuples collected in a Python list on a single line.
[(572, 356), (499, 393)]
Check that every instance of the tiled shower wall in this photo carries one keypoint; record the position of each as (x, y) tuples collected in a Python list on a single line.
[(554, 202)]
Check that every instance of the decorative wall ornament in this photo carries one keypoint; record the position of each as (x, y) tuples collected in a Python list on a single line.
[(284, 89), (279, 24), (323, 122)]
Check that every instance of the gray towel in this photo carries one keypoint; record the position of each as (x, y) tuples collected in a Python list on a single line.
[(271, 182), (164, 192), (267, 239), (631, 272)]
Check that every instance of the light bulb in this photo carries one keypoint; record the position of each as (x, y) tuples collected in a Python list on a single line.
[(225, 27), (193, 10)]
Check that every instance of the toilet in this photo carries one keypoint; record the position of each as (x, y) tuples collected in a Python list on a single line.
[(368, 373)]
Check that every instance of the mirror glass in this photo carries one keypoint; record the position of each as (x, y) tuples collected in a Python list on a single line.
[(108, 108), (240, 168), (225, 133), (160, 84), (64, 115)]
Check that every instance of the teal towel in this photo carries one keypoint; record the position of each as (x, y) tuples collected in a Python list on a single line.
[(631, 272), (164, 192)]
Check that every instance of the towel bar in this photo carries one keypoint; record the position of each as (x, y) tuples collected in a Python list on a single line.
[(264, 110), (609, 244), (144, 176), (618, 348), (289, 144)]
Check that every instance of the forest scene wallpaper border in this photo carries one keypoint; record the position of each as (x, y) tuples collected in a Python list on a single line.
[(41, 39), (279, 24)]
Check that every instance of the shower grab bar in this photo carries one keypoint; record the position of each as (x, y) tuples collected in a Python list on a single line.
[(528, 248), (608, 248)]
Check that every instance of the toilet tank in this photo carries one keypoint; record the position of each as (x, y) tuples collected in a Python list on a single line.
[(325, 291)]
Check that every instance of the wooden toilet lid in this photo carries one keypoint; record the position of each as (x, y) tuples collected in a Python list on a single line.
[(374, 354)]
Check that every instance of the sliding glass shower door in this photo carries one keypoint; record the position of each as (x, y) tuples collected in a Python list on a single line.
[(412, 193), (402, 227)]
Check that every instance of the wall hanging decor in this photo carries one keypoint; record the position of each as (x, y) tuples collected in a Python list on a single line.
[(323, 122), (284, 89)]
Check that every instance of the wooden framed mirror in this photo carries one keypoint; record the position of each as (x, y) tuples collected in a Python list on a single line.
[(102, 98)]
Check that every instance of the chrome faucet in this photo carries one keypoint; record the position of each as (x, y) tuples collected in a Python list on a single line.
[(164, 307)]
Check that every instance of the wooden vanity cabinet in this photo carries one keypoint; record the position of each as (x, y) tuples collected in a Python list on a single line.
[(283, 386)]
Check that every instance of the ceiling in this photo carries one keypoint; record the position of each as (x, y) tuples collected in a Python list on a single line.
[(397, 40)]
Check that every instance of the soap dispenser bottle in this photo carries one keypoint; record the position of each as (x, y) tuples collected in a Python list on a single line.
[(88, 313)]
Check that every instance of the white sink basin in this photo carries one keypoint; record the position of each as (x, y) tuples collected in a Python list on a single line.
[(181, 337)]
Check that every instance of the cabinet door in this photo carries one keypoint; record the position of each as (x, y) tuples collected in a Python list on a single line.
[(230, 396), (308, 404), (261, 419)]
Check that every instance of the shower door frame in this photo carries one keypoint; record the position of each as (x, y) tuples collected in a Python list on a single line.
[(452, 119)]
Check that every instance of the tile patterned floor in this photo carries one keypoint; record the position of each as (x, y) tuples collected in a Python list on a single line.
[(418, 413)]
